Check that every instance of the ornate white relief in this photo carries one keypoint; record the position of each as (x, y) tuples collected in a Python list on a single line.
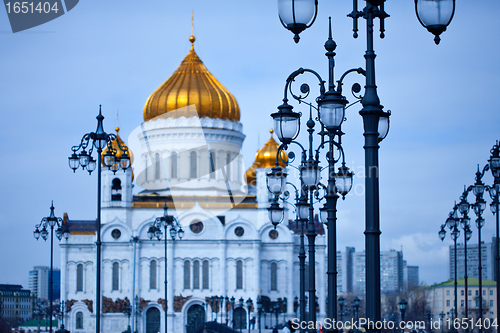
[(180, 122)]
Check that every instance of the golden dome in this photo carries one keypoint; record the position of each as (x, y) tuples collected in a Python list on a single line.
[(119, 152), (192, 83), (266, 158)]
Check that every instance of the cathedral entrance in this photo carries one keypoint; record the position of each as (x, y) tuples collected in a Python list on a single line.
[(153, 320), (239, 319), (195, 318)]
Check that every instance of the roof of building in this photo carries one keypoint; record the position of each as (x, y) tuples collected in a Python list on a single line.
[(14, 290), (10, 287), (471, 281), (80, 227)]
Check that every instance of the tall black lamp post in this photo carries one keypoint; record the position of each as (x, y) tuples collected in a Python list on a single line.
[(298, 15), (62, 314), (249, 307), (355, 305), (402, 310), (341, 301), (330, 106), (478, 206), (233, 303), (455, 221), (467, 236), (441, 315), (221, 307), (165, 221), (240, 303), (61, 230), (138, 310), (128, 311), (259, 310), (227, 310), (494, 190), (116, 157), (464, 222), (428, 317), (452, 223)]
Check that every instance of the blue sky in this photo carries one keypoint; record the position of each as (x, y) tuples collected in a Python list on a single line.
[(443, 100)]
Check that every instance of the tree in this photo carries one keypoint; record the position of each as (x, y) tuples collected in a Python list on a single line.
[(417, 306)]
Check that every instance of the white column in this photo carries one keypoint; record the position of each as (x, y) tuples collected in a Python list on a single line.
[(257, 289), (136, 280), (64, 268), (170, 285), (256, 255), (223, 268)]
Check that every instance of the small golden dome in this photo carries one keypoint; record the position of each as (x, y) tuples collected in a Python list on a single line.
[(266, 158), (192, 83), (119, 152)]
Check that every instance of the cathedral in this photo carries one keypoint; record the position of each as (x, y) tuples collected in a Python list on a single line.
[(187, 158)]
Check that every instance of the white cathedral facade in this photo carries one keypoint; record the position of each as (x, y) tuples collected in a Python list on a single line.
[(187, 156)]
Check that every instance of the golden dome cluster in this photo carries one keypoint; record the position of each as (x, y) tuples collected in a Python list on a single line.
[(266, 158), (192, 83)]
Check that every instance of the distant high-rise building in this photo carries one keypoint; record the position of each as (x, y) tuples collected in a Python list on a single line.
[(391, 270), (358, 272), (344, 270), (39, 279), (410, 276), (351, 268), (487, 260)]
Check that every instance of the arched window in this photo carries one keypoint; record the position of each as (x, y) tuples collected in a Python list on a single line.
[(79, 277), (239, 274), (152, 320), (116, 190), (212, 164), (173, 162), (79, 320), (228, 167), (196, 274), (205, 274), (157, 166), (115, 274), (192, 165), (274, 278), (152, 275), (187, 275), (117, 184)]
